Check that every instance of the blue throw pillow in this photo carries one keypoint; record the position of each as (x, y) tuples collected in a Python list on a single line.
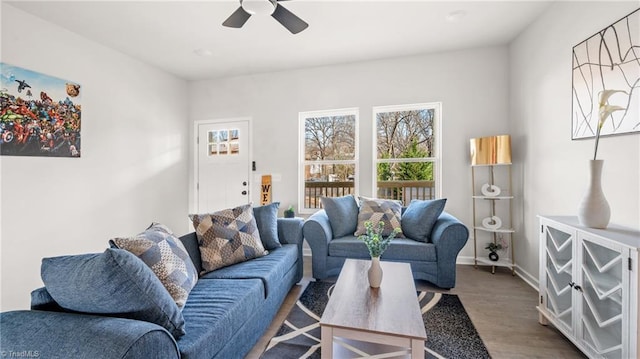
[(115, 283), (267, 222), (342, 213), (419, 218)]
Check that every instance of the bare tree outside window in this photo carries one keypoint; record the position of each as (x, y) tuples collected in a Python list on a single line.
[(329, 155), (405, 152)]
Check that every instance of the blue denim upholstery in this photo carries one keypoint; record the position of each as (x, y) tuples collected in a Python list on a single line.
[(121, 285), (434, 262), (270, 268), (266, 220), (67, 335), (217, 309), (224, 318), (418, 219), (402, 249), (342, 213)]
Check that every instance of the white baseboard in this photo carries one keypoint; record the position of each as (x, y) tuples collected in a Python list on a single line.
[(524, 275)]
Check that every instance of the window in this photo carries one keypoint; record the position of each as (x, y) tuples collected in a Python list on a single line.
[(224, 142), (406, 140), (329, 156)]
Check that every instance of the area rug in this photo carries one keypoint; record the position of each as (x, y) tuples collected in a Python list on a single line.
[(450, 333)]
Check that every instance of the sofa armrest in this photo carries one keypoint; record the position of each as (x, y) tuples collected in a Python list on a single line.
[(69, 335), (449, 236), (290, 232), (317, 231)]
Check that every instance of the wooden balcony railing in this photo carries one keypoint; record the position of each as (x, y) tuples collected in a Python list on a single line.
[(403, 191)]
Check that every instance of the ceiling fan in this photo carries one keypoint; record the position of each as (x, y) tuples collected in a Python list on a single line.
[(268, 7)]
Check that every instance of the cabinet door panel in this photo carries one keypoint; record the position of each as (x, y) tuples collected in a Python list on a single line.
[(558, 267), (601, 276)]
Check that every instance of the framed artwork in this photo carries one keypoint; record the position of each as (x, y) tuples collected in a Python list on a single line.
[(608, 60), (40, 114)]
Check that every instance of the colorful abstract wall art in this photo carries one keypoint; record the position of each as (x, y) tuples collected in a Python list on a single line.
[(40, 115), (608, 60)]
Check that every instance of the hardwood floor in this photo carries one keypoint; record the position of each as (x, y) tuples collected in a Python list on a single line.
[(501, 306)]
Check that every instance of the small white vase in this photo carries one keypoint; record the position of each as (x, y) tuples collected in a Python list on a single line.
[(594, 210), (375, 273)]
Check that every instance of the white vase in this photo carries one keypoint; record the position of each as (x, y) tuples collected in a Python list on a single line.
[(594, 211), (375, 273)]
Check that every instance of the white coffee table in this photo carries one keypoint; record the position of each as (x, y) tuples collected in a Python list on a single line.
[(387, 315)]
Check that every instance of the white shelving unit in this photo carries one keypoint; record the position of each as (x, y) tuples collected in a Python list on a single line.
[(589, 285), (492, 213)]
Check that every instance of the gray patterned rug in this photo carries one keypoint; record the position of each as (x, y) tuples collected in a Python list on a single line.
[(450, 333)]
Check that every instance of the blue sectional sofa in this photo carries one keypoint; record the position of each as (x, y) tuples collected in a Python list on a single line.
[(226, 313), (432, 258)]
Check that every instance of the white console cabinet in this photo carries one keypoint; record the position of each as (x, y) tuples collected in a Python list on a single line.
[(589, 285)]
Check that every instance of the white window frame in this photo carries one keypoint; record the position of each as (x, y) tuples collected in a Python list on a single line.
[(302, 116), (437, 147)]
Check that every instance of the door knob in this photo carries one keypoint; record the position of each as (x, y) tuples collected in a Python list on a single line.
[(244, 192), (244, 183)]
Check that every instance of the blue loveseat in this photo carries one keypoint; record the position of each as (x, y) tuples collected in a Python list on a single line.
[(432, 258), (226, 312)]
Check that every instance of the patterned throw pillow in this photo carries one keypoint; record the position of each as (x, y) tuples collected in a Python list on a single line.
[(376, 210), (165, 254), (227, 237)]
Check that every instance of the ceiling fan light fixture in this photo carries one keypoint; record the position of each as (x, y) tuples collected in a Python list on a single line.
[(258, 7)]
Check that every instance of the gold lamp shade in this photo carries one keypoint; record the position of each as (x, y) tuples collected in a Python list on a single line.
[(493, 150)]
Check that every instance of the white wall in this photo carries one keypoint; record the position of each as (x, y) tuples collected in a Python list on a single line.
[(133, 168), (554, 170), (471, 84)]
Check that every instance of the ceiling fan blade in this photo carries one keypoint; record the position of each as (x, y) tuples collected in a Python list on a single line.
[(237, 19), (289, 20)]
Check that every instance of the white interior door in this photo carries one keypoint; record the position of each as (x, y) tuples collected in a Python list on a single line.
[(223, 165)]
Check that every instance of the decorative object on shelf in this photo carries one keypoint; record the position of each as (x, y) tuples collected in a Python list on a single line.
[(289, 212), (603, 61), (594, 210), (492, 195), (490, 190), (376, 244), (493, 222), (493, 248)]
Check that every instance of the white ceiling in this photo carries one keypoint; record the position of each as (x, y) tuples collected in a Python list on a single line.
[(166, 33)]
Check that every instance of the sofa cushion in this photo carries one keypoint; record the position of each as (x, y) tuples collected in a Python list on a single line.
[(267, 222), (342, 213), (401, 249), (379, 210), (420, 216), (42, 300), (270, 268), (114, 283), (166, 256), (215, 311), (227, 237)]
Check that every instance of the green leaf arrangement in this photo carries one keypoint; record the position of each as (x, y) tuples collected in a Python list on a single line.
[(374, 240)]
